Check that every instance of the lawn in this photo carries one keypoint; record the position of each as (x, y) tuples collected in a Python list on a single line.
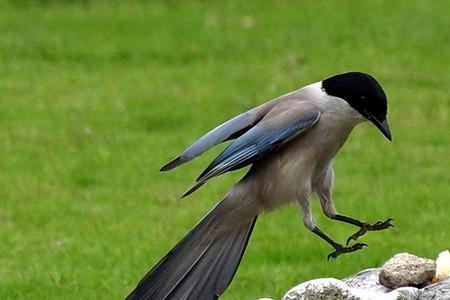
[(96, 96)]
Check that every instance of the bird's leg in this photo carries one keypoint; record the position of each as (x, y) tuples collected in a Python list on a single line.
[(323, 190), (339, 249), (364, 227), (310, 223)]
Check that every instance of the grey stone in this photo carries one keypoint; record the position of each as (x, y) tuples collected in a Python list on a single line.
[(332, 289), (437, 291), (405, 269), (320, 289), (406, 293), (367, 279)]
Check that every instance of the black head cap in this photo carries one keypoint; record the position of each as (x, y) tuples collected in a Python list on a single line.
[(364, 94)]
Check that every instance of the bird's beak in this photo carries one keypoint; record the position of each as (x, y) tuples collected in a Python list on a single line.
[(382, 125)]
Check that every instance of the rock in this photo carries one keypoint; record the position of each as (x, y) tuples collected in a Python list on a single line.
[(440, 290), (405, 269), (405, 293), (332, 289), (442, 266), (320, 289), (367, 279), (398, 279)]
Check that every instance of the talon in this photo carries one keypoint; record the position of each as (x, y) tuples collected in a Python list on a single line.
[(388, 221), (380, 225), (341, 250), (332, 255), (358, 234)]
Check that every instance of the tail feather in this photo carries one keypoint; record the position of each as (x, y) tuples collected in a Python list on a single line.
[(193, 286), (200, 266), (214, 272)]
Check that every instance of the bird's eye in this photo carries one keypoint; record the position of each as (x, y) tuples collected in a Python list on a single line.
[(363, 97)]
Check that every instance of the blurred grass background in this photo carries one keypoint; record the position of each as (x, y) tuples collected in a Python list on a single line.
[(96, 96)]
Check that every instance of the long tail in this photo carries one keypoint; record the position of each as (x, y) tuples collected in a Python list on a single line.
[(201, 265)]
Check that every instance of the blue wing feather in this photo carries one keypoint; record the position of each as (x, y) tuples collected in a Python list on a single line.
[(231, 129), (257, 142)]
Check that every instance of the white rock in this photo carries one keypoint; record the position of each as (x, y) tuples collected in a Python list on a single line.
[(442, 266)]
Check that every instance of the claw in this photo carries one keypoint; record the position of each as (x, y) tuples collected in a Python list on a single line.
[(341, 250), (380, 225), (356, 235)]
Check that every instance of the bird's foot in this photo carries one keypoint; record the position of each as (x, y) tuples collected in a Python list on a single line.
[(380, 225), (341, 249)]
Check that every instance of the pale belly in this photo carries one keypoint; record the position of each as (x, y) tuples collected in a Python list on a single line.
[(288, 174)]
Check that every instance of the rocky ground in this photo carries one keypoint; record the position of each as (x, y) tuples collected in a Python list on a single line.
[(403, 277)]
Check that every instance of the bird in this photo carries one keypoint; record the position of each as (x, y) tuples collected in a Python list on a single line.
[(290, 143)]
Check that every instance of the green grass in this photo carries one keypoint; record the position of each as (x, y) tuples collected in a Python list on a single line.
[(96, 96)]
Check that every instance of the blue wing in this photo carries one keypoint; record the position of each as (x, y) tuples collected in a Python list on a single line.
[(226, 131), (284, 122)]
